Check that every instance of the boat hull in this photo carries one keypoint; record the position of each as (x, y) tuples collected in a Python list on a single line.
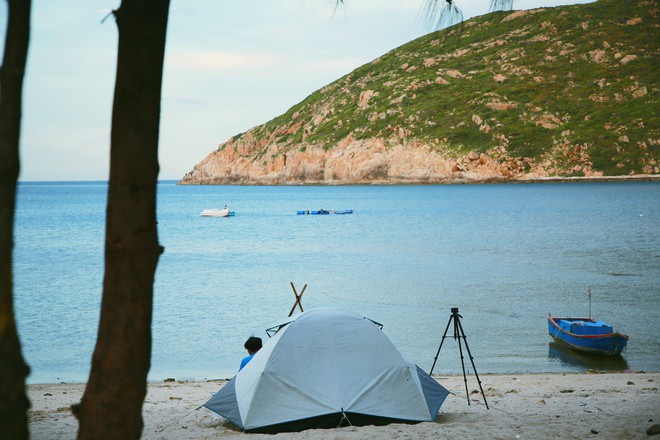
[(217, 213), (587, 335)]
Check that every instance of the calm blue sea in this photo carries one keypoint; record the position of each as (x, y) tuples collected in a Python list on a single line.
[(505, 255)]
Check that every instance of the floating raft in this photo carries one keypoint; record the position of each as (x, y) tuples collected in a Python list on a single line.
[(325, 212)]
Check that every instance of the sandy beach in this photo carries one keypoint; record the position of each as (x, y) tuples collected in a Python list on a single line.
[(522, 406)]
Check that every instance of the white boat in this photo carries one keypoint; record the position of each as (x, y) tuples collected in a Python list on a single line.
[(224, 212)]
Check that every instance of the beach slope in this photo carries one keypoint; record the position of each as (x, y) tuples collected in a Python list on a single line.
[(538, 406)]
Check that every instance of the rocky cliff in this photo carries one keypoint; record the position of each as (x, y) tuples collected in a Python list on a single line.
[(558, 92)]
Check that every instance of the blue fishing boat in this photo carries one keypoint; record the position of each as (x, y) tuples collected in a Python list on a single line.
[(587, 334)]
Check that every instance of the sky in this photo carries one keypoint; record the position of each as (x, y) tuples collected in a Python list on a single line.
[(229, 66)]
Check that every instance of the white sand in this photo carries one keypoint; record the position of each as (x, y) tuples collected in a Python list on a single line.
[(526, 406)]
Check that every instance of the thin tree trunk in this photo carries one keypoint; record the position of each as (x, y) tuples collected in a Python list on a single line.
[(111, 407), (13, 369)]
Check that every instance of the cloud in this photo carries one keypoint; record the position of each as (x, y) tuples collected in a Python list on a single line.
[(219, 61)]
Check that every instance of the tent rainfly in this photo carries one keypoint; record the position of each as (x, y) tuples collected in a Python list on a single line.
[(325, 369)]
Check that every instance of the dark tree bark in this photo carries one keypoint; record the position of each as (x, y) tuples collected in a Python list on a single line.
[(13, 369), (111, 407)]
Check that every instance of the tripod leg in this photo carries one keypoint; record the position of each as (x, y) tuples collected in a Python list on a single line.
[(442, 341), (473, 366), (460, 350)]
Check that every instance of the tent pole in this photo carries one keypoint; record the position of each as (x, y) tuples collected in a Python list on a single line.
[(298, 298)]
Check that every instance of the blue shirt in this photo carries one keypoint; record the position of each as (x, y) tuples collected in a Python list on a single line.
[(245, 361)]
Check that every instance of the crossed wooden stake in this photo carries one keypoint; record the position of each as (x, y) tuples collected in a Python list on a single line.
[(298, 297)]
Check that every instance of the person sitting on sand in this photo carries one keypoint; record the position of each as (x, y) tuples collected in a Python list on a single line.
[(252, 345)]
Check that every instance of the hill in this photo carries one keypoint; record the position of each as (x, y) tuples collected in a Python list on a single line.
[(559, 92)]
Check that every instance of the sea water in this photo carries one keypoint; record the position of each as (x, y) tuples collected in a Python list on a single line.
[(506, 255)]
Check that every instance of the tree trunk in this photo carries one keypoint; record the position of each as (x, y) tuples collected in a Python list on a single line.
[(111, 407), (13, 369)]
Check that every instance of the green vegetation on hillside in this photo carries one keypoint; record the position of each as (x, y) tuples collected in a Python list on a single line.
[(574, 87)]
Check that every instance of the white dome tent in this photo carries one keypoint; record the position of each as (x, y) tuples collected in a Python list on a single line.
[(327, 368)]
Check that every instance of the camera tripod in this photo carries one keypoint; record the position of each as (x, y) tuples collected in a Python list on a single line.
[(458, 334)]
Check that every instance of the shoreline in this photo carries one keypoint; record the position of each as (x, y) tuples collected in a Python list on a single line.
[(457, 181), (449, 181), (530, 405)]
